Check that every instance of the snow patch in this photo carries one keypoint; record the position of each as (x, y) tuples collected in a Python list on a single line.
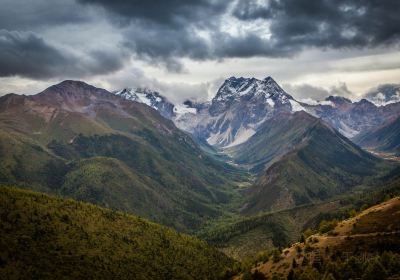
[(142, 98), (242, 135), (380, 100), (181, 109), (271, 102), (347, 131), (311, 101), (296, 106)]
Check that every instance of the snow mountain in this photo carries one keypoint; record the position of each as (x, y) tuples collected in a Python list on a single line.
[(241, 105), (150, 98), (352, 118)]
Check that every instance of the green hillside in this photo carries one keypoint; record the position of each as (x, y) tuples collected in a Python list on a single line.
[(363, 246), (83, 142), (44, 237), (26, 163), (242, 237), (276, 137), (312, 163)]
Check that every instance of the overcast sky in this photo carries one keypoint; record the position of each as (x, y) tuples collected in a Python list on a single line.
[(186, 48)]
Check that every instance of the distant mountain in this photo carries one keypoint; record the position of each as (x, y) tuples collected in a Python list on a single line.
[(45, 237), (240, 106), (300, 159), (384, 94), (385, 138), (351, 118), (87, 143), (150, 98)]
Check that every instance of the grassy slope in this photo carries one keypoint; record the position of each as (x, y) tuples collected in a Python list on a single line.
[(28, 164), (44, 237), (320, 164), (273, 140)]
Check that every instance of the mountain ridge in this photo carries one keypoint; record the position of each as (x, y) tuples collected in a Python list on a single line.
[(241, 104)]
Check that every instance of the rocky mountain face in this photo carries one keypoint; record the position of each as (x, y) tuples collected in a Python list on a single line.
[(352, 118), (242, 105)]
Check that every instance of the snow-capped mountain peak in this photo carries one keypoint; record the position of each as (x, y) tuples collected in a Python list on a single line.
[(234, 88), (148, 97), (254, 91), (242, 105)]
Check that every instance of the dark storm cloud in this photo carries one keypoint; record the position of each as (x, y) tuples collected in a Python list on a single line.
[(161, 32), (332, 24), (173, 13), (164, 31), (159, 44), (23, 14), (26, 54)]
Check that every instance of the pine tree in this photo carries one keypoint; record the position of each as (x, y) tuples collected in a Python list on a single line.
[(374, 271)]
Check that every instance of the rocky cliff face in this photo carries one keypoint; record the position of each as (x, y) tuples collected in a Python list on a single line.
[(240, 106)]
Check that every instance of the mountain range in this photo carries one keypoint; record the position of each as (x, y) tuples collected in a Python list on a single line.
[(252, 165), (241, 105), (79, 134), (299, 151)]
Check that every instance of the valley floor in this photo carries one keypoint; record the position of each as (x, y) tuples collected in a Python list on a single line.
[(387, 156)]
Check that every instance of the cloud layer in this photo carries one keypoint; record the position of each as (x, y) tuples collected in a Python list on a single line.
[(163, 32), (189, 44), (194, 29)]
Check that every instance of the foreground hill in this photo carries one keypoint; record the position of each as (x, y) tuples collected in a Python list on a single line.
[(87, 143), (383, 139), (44, 237), (300, 159), (365, 246)]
